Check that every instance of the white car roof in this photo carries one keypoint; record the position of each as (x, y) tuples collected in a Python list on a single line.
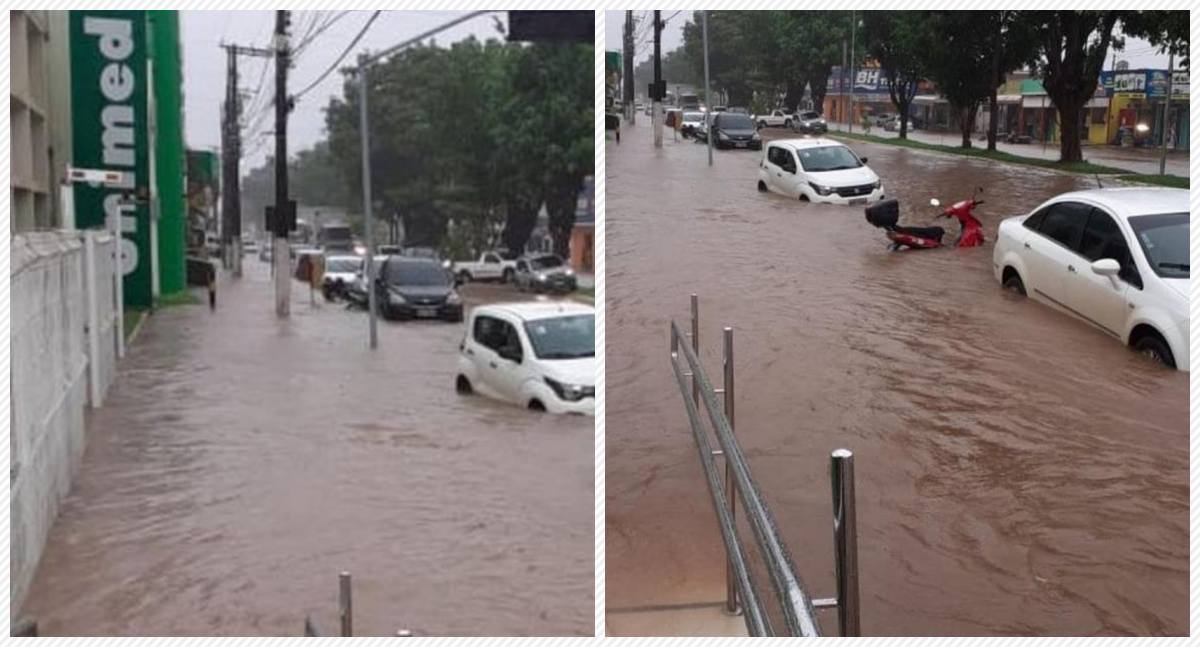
[(1134, 201), (805, 142), (533, 310)]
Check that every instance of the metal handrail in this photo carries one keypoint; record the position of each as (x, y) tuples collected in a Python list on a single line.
[(797, 606)]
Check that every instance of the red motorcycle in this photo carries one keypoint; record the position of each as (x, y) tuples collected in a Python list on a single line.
[(886, 213)]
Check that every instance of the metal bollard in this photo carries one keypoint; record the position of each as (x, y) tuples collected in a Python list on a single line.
[(845, 540), (310, 627), (695, 344), (731, 597), (345, 607)]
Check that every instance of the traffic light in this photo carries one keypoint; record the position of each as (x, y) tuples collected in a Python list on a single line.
[(578, 26)]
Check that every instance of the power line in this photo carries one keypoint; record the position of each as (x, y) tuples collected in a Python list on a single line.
[(328, 23), (346, 51)]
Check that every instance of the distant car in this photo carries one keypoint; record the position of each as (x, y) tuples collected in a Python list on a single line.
[(775, 119), (421, 252), (741, 110), (637, 107), (1115, 258), (731, 130), (266, 252), (249, 247), (387, 249), (879, 119), (411, 288), (544, 273), (340, 273), (539, 355), (818, 170), (691, 119), (893, 124), (810, 122), (719, 109), (490, 266)]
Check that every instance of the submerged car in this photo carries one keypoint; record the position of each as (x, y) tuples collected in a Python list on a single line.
[(417, 288), (811, 123), (818, 170), (731, 130), (340, 273), (692, 119), (1116, 258), (539, 355)]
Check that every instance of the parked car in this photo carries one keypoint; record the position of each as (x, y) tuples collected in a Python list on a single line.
[(412, 287), (731, 130), (1115, 258), (810, 122), (541, 356), (544, 273), (775, 119), (740, 110), (879, 119), (893, 124), (818, 170), (490, 266), (691, 119), (356, 292), (387, 250), (340, 272), (719, 109), (417, 251)]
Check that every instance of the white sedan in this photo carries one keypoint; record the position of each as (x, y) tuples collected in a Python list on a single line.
[(1115, 258), (818, 170), (539, 355)]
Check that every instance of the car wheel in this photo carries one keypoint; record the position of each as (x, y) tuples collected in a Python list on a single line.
[(507, 277), (762, 186), (464, 276), (787, 124), (463, 386), (762, 124), (1013, 282), (1153, 347), (536, 405)]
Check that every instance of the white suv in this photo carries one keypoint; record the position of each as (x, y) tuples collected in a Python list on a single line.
[(540, 355), (1115, 258)]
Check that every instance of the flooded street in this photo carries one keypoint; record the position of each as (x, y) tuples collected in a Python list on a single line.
[(241, 462), (1018, 472)]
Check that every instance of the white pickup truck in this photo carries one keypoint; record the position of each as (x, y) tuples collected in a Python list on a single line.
[(491, 266), (777, 118)]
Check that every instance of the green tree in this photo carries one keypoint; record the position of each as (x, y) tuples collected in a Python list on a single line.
[(808, 44), (1168, 30), (896, 40)]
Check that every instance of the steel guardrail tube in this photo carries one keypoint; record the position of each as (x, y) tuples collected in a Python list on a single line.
[(795, 603)]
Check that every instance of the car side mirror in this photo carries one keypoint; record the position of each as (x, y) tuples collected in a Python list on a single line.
[(1106, 267), (863, 160), (511, 354), (934, 202)]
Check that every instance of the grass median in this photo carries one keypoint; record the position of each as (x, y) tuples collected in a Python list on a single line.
[(1085, 168)]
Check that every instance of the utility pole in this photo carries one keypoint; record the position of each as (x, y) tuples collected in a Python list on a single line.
[(707, 97), (364, 127), (628, 93), (230, 155), (283, 214), (853, 23), (1166, 130), (659, 86), (842, 83)]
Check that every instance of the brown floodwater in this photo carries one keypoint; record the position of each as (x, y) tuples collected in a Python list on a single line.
[(1018, 472), (241, 462)]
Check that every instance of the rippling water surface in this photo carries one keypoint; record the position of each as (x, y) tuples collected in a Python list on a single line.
[(1019, 472)]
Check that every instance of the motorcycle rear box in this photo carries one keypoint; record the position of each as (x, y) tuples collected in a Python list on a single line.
[(885, 213)]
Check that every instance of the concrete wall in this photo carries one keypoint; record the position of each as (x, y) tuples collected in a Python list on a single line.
[(49, 378)]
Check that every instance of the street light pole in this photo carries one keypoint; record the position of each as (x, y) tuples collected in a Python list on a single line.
[(658, 84), (368, 221), (707, 96), (283, 215), (1162, 161), (852, 30)]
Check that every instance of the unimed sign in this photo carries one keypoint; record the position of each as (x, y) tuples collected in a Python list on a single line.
[(110, 131)]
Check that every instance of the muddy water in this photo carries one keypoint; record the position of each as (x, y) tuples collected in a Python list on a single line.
[(241, 463), (1018, 471)]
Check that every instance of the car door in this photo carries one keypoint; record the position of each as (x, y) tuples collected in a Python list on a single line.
[(490, 267), (482, 349), (1052, 254), (511, 360), (774, 171), (1101, 300), (522, 273)]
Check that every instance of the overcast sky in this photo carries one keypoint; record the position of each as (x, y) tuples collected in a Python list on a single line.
[(204, 64), (1138, 52)]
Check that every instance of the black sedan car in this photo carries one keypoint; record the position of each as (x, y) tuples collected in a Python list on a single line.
[(417, 288), (732, 130)]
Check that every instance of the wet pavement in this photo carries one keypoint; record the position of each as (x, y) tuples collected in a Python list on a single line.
[(241, 462), (1018, 472)]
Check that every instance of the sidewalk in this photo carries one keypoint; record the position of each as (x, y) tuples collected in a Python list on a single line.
[(242, 461), (1136, 160)]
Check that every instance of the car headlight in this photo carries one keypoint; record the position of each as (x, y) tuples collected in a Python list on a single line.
[(396, 298), (755, 137), (821, 190), (721, 135), (877, 184), (453, 299), (541, 276), (569, 272), (570, 392)]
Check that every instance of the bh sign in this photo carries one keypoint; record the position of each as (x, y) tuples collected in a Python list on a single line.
[(110, 132)]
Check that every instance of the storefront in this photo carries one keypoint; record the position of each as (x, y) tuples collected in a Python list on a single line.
[(870, 95), (1135, 109)]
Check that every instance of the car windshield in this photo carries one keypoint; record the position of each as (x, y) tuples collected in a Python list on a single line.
[(734, 121), (1164, 239), (545, 262), (409, 273), (342, 264), (693, 116), (809, 115), (827, 158), (569, 337)]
